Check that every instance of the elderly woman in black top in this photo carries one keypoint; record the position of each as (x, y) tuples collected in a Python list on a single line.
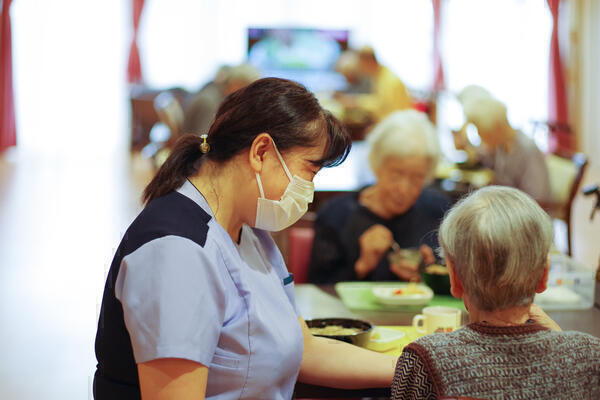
[(354, 232)]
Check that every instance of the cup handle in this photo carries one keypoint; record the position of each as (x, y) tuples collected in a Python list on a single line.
[(415, 322)]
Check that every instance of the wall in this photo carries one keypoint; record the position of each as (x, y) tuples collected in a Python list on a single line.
[(584, 76)]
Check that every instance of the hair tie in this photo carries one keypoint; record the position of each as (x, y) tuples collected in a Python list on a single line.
[(204, 146)]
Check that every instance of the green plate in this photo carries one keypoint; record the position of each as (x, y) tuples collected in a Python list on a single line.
[(359, 296)]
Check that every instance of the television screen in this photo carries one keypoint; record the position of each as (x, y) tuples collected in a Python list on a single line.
[(302, 54)]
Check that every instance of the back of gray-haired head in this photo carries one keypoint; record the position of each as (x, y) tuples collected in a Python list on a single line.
[(498, 240), (402, 134), (481, 108)]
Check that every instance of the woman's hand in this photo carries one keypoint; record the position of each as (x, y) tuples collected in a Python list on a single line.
[(427, 254), (374, 242), (539, 316)]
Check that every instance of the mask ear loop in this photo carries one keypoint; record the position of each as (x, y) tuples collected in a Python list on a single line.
[(260, 187), (287, 171)]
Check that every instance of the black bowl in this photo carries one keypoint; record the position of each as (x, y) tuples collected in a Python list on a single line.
[(439, 283), (359, 339)]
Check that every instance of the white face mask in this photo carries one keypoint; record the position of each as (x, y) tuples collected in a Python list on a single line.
[(275, 215)]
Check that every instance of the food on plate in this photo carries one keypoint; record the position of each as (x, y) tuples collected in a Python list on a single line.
[(402, 294), (334, 330), (410, 289)]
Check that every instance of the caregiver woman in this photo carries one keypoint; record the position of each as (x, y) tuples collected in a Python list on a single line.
[(198, 302)]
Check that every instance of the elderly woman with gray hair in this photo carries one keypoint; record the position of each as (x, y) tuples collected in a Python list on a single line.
[(354, 232), (496, 244), (515, 158)]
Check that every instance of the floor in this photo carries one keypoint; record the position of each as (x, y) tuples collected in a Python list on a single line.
[(61, 218)]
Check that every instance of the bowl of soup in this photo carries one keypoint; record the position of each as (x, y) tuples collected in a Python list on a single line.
[(347, 330)]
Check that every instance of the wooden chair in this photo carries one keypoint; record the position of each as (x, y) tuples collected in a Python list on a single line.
[(566, 174)]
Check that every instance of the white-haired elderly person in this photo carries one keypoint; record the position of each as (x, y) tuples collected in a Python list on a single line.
[(354, 232), (515, 158), (496, 244), (201, 108)]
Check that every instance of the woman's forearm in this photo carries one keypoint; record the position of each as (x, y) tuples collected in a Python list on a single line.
[(332, 363)]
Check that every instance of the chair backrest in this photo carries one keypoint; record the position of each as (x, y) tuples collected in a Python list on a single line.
[(170, 113), (566, 174), (299, 245)]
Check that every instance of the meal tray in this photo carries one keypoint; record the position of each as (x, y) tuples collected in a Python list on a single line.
[(359, 296)]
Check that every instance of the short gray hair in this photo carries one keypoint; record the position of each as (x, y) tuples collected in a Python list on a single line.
[(498, 240), (402, 134), (481, 108)]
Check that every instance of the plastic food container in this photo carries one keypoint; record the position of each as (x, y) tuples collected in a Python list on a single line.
[(384, 339), (570, 285)]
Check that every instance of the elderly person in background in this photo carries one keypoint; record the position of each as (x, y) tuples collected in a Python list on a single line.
[(348, 65), (388, 93), (514, 157), (354, 232), (200, 111), (385, 92), (496, 244)]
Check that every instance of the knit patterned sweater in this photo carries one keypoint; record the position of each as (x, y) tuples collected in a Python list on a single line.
[(486, 362)]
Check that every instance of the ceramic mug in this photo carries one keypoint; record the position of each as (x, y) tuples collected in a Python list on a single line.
[(437, 319)]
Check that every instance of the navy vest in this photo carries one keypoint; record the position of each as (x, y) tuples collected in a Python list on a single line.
[(174, 214)]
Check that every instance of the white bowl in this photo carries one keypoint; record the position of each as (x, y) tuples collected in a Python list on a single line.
[(387, 295)]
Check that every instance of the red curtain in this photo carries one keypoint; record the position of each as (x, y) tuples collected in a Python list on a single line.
[(8, 130), (560, 136), (438, 70), (134, 66)]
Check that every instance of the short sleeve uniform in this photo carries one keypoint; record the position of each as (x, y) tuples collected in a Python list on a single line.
[(191, 292)]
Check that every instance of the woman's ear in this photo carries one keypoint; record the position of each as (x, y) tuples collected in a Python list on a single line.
[(543, 283), (259, 147), (456, 285)]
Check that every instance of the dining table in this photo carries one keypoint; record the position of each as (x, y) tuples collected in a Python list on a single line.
[(324, 301)]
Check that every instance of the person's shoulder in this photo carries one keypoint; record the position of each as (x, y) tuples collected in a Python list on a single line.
[(577, 345), (578, 338), (173, 214), (434, 201), (442, 339), (526, 144), (337, 209)]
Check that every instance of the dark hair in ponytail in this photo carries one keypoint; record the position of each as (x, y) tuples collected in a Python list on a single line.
[(284, 109)]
